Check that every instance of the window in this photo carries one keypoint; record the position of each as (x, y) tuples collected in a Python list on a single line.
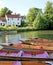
[(0, 23), (8, 19), (18, 18), (18, 22), (12, 18)]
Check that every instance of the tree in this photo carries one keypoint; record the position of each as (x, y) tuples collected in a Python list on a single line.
[(40, 22), (48, 13), (32, 14), (48, 8), (37, 21), (4, 11), (23, 23)]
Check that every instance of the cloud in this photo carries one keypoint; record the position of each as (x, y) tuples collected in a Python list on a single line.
[(1, 2)]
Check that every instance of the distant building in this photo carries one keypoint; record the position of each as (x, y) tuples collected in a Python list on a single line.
[(12, 19), (23, 18)]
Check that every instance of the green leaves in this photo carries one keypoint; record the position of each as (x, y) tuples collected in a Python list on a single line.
[(49, 14), (32, 14), (4, 11), (44, 21)]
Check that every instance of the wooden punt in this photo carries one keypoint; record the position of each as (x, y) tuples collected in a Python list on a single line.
[(29, 47), (8, 58), (22, 63), (33, 63), (6, 63), (16, 60), (31, 53), (38, 41)]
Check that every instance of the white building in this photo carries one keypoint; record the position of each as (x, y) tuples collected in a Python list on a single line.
[(13, 19)]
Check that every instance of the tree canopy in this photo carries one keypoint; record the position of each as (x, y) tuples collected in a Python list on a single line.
[(4, 11), (48, 13), (32, 14), (37, 21), (45, 21), (48, 8)]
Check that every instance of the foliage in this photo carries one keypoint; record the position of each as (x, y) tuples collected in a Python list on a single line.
[(4, 11), (37, 21), (43, 24), (40, 22), (6, 26), (44, 21), (23, 23), (48, 8), (49, 14), (32, 14)]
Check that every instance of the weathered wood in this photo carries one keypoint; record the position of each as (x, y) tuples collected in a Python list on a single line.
[(8, 58), (31, 50)]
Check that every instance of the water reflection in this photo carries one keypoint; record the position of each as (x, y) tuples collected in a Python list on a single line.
[(14, 38)]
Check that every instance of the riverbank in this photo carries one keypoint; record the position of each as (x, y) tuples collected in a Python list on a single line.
[(26, 29), (8, 30)]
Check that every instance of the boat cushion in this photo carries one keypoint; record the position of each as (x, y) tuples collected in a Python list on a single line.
[(17, 63), (43, 55), (26, 55), (3, 53)]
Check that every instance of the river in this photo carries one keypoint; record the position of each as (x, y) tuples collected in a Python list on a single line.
[(14, 38)]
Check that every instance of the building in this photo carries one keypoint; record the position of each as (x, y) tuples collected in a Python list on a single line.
[(12, 19)]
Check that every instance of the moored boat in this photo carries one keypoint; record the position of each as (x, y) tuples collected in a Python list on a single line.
[(25, 56), (38, 41), (22, 63)]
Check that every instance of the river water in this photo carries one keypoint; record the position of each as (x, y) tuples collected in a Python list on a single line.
[(14, 38)]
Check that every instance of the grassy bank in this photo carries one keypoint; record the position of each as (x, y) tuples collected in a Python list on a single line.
[(18, 29), (25, 29)]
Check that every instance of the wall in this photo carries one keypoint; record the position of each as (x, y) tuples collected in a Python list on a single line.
[(13, 21)]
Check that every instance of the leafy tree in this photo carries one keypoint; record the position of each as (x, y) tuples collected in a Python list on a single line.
[(51, 21), (4, 11), (44, 24), (32, 14), (40, 22), (48, 8), (48, 13), (36, 21), (23, 23)]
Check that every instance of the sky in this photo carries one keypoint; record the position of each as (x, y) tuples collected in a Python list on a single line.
[(22, 6)]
